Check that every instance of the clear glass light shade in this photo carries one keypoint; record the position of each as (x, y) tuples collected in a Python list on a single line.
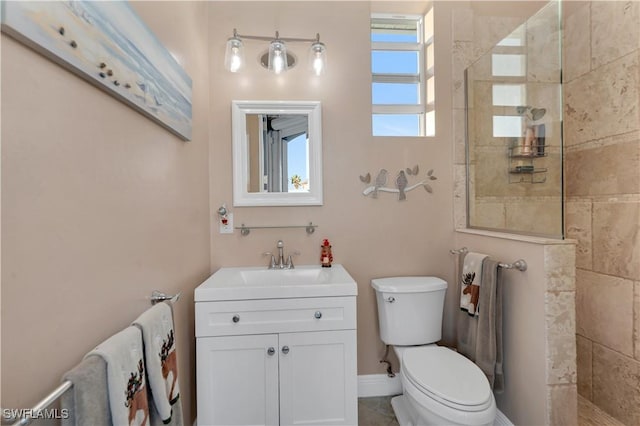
[(277, 57), (318, 58), (234, 55)]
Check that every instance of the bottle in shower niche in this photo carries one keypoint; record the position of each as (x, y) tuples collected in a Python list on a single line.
[(326, 257)]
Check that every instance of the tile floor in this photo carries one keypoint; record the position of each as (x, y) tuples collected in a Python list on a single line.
[(590, 415), (377, 411)]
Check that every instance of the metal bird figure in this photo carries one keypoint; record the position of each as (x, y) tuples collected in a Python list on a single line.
[(401, 183), (381, 180)]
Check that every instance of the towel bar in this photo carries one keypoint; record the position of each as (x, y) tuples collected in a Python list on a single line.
[(158, 296), (28, 415), (520, 264), (46, 401)]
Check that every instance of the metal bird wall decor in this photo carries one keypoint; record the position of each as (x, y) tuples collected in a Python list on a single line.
[(401, 182)]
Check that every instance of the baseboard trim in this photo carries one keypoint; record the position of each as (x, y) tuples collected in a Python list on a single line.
[(378, 385)]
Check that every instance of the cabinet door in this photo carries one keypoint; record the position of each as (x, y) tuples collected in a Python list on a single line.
[(237, 380), (318, 378)]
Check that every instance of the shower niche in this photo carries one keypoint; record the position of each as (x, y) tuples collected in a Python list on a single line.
[(514, 131)]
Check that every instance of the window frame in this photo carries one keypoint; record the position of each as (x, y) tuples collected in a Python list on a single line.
[(421, 108)]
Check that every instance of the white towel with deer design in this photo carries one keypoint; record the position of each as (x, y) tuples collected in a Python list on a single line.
[(160, 356), (127, 391), (471, 277)]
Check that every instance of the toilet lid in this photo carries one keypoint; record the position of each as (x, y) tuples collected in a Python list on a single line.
[(447, 375)]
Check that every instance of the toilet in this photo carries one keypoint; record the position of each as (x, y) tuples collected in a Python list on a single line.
[(440, 386)]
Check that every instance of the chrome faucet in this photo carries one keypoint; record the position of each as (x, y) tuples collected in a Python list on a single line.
[(280, 263), (280, 246)]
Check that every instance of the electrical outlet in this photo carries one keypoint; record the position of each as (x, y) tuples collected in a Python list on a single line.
[(226, 228)]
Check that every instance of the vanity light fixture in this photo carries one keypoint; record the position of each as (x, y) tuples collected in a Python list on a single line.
[(276, 60), (234, 55)]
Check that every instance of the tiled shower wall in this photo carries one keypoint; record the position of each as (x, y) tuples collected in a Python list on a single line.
[(602, 165), (474, 35)]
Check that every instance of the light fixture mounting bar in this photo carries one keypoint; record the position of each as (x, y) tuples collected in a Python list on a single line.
[(277, 37)]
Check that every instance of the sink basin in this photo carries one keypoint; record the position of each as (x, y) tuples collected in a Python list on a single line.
[(261, 283)]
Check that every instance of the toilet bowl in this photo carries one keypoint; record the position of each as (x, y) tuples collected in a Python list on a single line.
[(440, 386)]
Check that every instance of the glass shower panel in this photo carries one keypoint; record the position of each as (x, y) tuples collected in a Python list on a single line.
[(514, 131)]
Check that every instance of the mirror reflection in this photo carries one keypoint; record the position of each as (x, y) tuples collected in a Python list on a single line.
[(277, 153), (278, 146)]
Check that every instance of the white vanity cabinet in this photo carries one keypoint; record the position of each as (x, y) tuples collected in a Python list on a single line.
[(282, 361)]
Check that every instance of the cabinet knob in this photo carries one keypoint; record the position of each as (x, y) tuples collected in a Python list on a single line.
[(285, 350), (271, 351), (318, 315), (236, 318), (391, 299)]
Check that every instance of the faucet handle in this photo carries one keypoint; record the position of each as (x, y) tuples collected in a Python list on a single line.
[(290, 264), (272, 262)]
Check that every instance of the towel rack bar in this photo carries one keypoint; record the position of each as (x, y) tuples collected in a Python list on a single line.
[(245, 230), (158, 296), (520, 264), (27, 416), (459, 251)]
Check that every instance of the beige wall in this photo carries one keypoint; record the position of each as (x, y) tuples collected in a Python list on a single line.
[(99, 207), (371, 238), (602, 140)]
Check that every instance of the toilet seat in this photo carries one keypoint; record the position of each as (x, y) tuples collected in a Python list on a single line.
[(446, 377)]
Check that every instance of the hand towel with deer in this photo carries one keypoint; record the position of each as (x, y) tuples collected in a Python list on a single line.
[(471, 281), (125, 377), (160, 357)]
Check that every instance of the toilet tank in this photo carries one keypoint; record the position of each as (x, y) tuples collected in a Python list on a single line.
[(410, 309)]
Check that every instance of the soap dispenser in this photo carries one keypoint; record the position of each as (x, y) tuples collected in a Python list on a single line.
[(325, 254)]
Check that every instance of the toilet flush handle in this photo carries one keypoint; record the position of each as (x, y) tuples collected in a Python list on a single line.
[(391, 299)]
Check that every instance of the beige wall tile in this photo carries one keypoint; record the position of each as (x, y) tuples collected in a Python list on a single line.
[(578, 227), (488, 215), (584, 357), (615, 384), (604, 310), (538, 217), (459, 196), (603, 102), (614, 30), (463, 54), (459, 101), (611, 169), (489, 30), (459, 136), (560, 321), (548, 95), (462, 24), (577, 46), (543, 41), (616, 239), (636, 316), (560, 268), (562, 405), (490, 176)]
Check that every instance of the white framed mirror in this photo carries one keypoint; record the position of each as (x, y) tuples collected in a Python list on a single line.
[(277, 153)]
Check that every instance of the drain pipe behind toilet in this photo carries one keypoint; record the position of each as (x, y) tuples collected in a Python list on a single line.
[(384, 360)]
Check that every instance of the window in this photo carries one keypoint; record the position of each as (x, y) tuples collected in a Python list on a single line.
[(402, 88), (509, 89)]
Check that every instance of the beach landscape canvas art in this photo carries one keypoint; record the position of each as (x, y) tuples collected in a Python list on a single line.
[(106, 43)]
